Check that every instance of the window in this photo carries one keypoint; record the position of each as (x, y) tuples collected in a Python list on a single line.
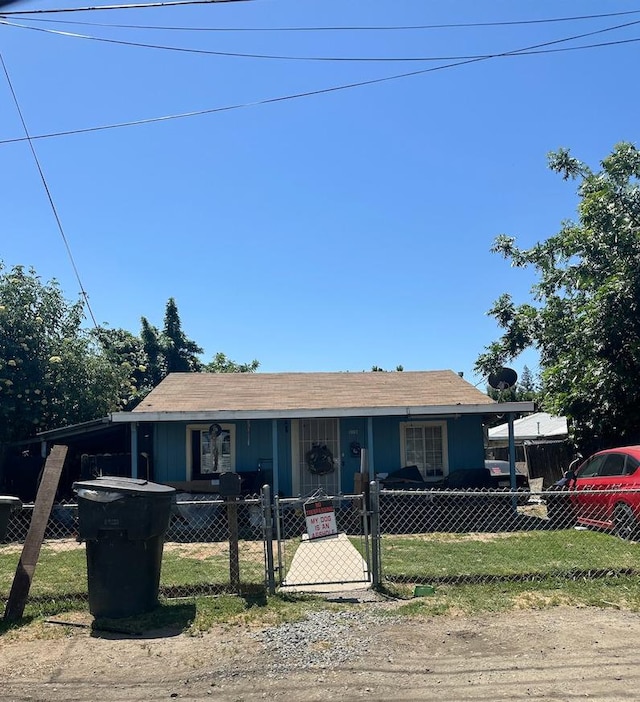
[(614, 465), (210, 450), (631, 466), (424, 444), (592, 467)]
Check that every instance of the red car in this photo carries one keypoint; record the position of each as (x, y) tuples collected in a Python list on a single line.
[(607, 491)]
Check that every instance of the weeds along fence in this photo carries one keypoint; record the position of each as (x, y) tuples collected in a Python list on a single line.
[(474, 536), (438, 537)]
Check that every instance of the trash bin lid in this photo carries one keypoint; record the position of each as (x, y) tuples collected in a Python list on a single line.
[(130, 486), (11, 501)]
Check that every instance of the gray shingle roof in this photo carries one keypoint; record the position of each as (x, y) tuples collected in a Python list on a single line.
[(246, 392)]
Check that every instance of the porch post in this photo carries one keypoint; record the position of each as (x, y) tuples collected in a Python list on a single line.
[(275, 467), (512, 452), (134, 449)]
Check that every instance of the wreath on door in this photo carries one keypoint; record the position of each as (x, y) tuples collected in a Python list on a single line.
[(319, 460)]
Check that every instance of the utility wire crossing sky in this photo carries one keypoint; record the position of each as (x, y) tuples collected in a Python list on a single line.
[(338, 232)]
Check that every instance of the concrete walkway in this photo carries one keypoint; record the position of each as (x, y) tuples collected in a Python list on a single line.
[(329, 564)]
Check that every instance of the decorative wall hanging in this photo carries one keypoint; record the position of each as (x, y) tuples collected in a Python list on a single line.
[(319, 460)]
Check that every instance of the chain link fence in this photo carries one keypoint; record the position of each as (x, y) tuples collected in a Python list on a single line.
[(198, 557), (407, 537), (485, 536)]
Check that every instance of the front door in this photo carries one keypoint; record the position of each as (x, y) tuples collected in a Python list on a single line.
[(316, 456), (211, 450)]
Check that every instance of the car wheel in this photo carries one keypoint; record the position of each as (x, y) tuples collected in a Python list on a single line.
[(624, 523)]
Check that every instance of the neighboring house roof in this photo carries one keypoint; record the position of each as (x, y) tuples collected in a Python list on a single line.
[(203, 396), (538, 426)]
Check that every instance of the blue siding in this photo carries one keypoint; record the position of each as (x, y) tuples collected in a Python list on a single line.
[(386, 444), (254, 442), (466, 443), (170, 452), (284, 458), (351, 429)]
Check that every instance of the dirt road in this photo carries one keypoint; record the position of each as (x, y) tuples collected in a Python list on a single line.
[(554, 654)]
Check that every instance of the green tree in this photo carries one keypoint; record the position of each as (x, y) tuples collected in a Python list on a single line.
[(584, 318), (152, 347), (527, 384), (221, 364), (170, 351), (180, 352), (52, 372), (127, 354)]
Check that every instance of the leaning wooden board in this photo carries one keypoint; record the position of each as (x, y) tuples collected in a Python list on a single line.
[(35, 536)]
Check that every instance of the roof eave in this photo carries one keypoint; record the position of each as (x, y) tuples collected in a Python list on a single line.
[(74, 429), (303, 413)]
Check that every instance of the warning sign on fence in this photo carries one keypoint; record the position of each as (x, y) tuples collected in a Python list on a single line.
[(321, 518)]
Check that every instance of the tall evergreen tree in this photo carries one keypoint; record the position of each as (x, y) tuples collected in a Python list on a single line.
[(180, 352), (152, 346)]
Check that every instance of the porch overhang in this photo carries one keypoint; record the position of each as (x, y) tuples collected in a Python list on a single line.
[(415, 412)]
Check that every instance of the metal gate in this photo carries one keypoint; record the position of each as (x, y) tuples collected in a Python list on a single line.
[(320, 541)]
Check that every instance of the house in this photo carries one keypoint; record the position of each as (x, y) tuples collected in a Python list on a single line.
[(539, 426), (541, 445), (303, 431)]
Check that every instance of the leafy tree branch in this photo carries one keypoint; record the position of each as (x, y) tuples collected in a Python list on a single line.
[(584, 315)]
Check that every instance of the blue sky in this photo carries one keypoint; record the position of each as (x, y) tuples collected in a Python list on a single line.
[(325, 233)]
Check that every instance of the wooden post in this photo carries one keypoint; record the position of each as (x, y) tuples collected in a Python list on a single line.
[(234, 552), (35, 536), (267, 522)]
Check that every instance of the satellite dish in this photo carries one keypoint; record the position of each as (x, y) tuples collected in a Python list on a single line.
[(503, 379)]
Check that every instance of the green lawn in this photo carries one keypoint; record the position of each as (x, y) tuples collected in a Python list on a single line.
[(435, 557), (446, 557), (471, 573), (63, 572)]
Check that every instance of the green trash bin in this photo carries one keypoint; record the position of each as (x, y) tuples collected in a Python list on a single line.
[(7, 505), (123, 522)]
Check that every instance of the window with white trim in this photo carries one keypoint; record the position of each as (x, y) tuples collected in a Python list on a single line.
[(424, 444), (210, 450)]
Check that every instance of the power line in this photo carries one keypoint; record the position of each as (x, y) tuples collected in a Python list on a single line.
[(452, 25), (134, 6), (48, 191), (346, 59), (310, 93)]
